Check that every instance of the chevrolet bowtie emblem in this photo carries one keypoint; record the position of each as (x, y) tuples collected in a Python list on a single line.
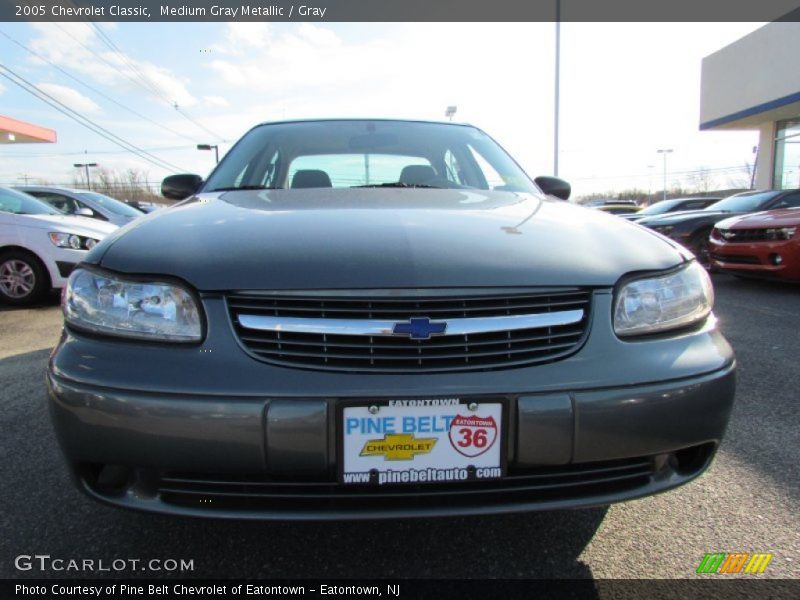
[(398, 446), (420, 328)]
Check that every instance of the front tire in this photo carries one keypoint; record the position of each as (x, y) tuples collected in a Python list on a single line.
[(700, 248), (23, 278)]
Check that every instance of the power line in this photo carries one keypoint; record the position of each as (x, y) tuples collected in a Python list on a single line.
[(141, 79), (93, 152), (86, 122), (95, 90)]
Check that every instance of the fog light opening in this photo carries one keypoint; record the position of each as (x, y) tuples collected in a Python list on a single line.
[(113, 479), (776, 259), (691, 460)]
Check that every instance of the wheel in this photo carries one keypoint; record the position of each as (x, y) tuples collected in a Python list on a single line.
[(23, 278), (700, 248)]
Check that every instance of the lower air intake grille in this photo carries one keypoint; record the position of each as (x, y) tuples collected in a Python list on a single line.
[(538, 484), (542, 327)]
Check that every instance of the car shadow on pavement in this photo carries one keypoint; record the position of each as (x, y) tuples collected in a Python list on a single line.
[(53, 298)]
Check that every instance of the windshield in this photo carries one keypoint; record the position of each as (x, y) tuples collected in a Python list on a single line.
[(749, 201), (17, 203), (337, 154), (112, 205), (658, 208)]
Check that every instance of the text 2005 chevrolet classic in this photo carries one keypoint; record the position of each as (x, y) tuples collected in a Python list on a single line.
[(376, 318)]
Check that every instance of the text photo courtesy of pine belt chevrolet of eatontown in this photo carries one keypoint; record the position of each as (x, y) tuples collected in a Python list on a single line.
[(307, 289)]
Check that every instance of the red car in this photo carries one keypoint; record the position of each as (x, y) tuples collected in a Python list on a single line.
[(764, 244)]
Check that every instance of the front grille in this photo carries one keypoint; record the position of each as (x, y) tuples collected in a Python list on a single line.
[(388, 353), (256, 492), (739, 259), (751, 235)]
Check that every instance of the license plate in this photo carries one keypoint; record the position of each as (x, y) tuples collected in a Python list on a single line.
[(421, 442)]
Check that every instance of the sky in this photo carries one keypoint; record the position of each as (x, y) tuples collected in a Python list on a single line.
[(626, 91)]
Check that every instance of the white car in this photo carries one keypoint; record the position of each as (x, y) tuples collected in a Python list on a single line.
[(39, 246)]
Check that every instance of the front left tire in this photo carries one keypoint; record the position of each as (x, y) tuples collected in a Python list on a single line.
[(23, 278)]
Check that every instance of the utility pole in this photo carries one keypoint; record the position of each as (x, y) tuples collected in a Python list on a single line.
[(665, 151), (86, 167)]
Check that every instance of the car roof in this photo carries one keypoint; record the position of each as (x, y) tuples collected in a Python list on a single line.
[(53, 188), (353, 119)]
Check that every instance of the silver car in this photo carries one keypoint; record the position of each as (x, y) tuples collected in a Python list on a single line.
[(82, 203)]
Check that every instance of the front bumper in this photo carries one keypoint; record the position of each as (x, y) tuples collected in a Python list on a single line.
[(274, 458), (757, 259), (210, 431)]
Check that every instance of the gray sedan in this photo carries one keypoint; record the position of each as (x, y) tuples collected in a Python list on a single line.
[(373, 318), (82, 203)]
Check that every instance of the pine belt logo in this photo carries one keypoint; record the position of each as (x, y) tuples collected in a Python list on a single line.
[(723, 563), (398, 446)]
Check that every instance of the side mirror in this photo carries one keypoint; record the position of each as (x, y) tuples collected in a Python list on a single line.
[(84, 212), (179, 187), (553, 186)]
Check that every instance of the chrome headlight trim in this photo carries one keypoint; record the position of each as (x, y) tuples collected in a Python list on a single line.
[(157, 309), (660, 302)]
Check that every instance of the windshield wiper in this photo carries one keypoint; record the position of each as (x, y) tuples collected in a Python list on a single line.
[(244, 187), (397, 184)]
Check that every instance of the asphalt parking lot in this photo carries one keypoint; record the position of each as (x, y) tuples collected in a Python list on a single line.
[(747, 502)]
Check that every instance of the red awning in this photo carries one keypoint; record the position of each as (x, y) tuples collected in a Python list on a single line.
[(19, 132)]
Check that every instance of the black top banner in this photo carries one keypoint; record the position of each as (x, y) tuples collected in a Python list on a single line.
[(401, 10)]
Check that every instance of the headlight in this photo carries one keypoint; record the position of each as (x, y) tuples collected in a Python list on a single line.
[(780, 233), (654, 304), (72, 240), (107, 304)]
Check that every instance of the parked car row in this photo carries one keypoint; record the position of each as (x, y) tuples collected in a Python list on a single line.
[(40, 245), (751, 234), (45, 231)]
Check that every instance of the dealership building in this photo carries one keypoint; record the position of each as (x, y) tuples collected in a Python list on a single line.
[(754, 84), (13, 131)]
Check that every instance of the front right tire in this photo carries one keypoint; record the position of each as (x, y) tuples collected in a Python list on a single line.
[(701, 249), (23, 278)]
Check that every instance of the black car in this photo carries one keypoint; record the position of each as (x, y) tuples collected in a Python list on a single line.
[(693, 228), (669, 206), (373, 318)]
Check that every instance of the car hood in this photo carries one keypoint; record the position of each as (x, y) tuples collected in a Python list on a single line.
[(68, 224), (382, 238), (786, 217)]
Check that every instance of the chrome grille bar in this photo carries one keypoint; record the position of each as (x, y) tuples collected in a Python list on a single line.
[(375, 327)]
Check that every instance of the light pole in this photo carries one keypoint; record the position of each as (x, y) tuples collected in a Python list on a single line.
[(650, 184), (557, 88), (209, 147), (665, 151), (86, 166)]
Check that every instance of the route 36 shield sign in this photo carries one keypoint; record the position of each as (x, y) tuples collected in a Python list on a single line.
[(472, 435)]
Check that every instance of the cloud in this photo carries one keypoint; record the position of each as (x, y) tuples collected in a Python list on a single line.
[(71, 97), (241, 38), (215, 101), (76, 47)]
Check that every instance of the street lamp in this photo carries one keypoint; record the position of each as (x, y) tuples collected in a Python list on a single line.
[(86, 166), (665, 151), (557, 99), (209, 147)]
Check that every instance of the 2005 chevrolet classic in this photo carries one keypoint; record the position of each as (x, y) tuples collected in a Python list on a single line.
[(377, 318)]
